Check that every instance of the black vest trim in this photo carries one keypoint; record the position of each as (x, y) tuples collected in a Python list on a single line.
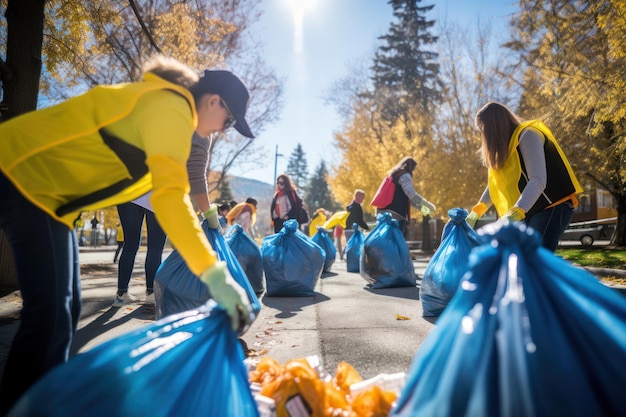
[(133, 158), (558, 184)]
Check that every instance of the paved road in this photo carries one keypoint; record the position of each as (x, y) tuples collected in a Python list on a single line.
[(344, 321)]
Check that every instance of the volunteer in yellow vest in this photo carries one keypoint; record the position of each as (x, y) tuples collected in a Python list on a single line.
[(529, 177), (102, 148), (317, 219)]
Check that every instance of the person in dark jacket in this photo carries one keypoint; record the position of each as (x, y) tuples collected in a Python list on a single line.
[(356, 214), (285, 202)]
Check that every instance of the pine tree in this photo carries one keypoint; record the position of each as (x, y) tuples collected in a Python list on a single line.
[(405, 73), (297, 168), (225, 192), (318, 193)]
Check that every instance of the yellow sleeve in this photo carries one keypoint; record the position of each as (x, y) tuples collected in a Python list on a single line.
[(174, 211)]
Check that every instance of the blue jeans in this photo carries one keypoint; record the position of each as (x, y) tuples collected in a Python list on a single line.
[(48, 274), (131, 218), (551, 223)]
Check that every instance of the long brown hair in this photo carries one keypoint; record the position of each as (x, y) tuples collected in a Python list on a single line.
[(406, 164), (496, 124), (288, 186)]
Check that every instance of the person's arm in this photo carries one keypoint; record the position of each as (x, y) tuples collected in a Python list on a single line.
[(531, 144), (166, 125), (197, 165), (406, 182)]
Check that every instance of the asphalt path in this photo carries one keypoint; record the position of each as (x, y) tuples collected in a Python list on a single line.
[(374, 330), (344, 321)]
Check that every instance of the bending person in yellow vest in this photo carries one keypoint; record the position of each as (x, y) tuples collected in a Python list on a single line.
[(529, 177), (100, 149)]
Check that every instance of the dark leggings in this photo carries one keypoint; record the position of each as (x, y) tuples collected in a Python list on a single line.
[(131, 218), (551, 223), (48, 274)]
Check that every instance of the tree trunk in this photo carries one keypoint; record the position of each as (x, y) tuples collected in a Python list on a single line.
[(20, 85), (619, 237)]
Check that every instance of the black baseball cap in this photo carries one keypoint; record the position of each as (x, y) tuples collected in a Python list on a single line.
[(234, 93)]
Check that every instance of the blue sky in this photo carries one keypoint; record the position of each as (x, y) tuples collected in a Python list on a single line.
[(314, 43)]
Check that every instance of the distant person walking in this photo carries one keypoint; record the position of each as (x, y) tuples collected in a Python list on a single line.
[(356, 214), (119, 238), (94, 231)]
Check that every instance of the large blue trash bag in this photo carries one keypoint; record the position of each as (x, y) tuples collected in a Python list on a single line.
[(385, 258), (189, 364), (178, 289), (448, 264), (526, 334), (293, 263), (324, 242), (353, 249), (248, 254)]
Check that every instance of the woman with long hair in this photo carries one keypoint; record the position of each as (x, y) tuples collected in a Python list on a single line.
[(529, 177), (285, 203)]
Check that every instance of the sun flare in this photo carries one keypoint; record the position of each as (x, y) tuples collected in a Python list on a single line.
[(298, 9)]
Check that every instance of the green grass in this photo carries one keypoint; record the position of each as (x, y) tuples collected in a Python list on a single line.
[(595, 257)]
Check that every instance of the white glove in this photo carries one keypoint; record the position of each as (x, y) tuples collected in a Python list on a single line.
[(211, 217), (228, 294)]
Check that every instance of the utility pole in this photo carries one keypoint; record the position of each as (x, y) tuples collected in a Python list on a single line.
[(276, 155)]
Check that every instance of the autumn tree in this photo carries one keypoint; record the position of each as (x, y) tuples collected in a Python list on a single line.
[(470, 63), (104, 42), (297, 167), (391, 114), (572, 58)]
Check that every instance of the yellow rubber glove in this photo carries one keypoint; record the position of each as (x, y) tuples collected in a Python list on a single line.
[(477, 212), (472, 218), (515, 214), (427, 207), (211, 217), (228, 294)]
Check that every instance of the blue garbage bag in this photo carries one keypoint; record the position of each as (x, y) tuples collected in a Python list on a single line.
[(353, 249), (177, 289), (292, 262), (385, 258), (448, 264), (324, 242), (188, 364), (526, 334), (248, 254)]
